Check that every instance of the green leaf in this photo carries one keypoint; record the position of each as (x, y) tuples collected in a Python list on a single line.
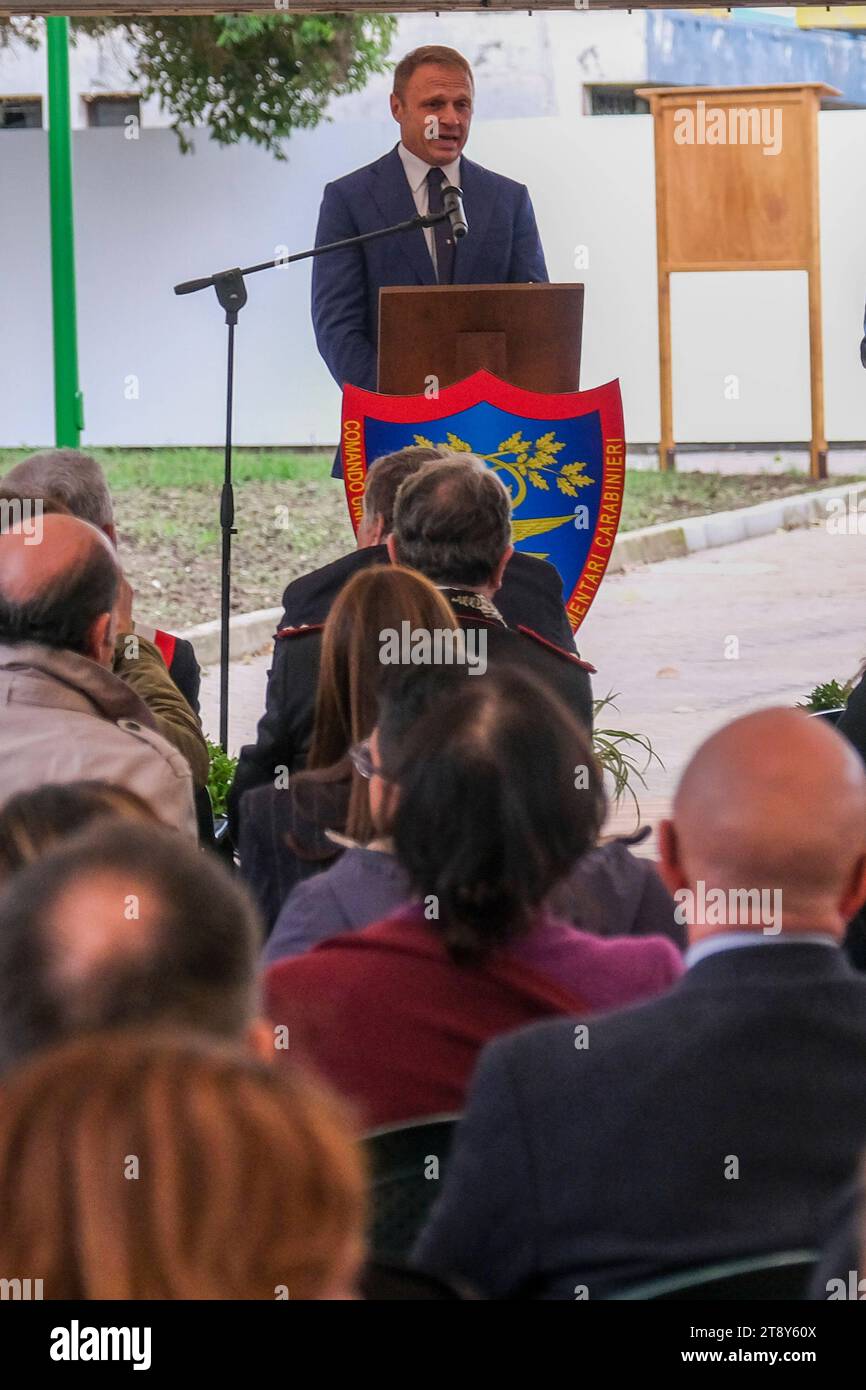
[(222, 771), (829, 695), (247, 77)]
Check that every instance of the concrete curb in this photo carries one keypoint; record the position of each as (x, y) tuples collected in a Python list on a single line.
[(670, 540), (248, 633), (674, 539)]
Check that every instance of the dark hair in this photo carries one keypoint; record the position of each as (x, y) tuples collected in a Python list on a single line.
[(386, 474), (191, 963), (406, 693), (434, 53), (32, 822), (63, 612), (500, 795), (453, 523)]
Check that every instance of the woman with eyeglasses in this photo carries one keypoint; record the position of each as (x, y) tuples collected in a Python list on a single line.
[(492, 798), (284, 826)]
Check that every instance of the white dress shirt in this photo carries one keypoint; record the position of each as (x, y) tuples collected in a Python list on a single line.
[(416, 174)]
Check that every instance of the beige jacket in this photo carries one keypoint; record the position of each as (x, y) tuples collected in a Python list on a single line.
[(64, 718)]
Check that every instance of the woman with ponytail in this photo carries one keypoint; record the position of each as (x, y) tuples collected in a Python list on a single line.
[(493, 798)]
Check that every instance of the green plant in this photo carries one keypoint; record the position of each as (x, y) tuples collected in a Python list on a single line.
[(828, 695), (616, 752), (255, 77), (222, 771)]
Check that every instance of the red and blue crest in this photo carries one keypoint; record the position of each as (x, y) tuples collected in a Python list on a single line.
[(561, 456)]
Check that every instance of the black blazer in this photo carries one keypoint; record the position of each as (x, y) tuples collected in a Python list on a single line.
[(282, 837), (531, 593), (530, 596), (604, 1165), (842, 1250)]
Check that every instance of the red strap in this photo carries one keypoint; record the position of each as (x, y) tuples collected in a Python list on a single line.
[(298, 631), (560, 651), (165, 644)]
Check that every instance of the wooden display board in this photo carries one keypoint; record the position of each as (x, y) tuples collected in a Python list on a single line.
[(737, 189)]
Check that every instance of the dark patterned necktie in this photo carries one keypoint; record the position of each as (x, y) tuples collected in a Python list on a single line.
[(443, 236)]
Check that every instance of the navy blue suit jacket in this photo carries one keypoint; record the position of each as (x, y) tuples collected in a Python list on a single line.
[(502, 246), (608, 1164)]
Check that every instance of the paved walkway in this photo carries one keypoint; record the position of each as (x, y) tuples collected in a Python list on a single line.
[(840, 462), (688, 644)]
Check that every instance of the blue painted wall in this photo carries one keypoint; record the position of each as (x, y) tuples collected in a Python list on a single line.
[(690, 50)]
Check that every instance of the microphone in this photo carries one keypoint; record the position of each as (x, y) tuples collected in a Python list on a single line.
[(452, 202)]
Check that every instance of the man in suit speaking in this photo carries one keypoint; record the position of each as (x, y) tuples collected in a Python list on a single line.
[(432, 102)]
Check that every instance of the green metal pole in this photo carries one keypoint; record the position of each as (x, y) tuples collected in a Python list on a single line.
[(68, 402)]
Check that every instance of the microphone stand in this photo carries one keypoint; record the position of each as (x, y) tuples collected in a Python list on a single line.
[(231, 291)]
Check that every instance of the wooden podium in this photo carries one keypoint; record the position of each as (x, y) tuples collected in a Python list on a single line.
[(433, 335)]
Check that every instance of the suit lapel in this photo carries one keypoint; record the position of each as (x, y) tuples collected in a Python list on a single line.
[(393, 197), (479, 195)]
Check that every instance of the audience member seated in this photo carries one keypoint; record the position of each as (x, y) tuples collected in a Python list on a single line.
[(126, 925), (610, 892), (32, 823), (531, 591), (714, 1123), (66, 716), (283, 825), (77, 481), (499, 797), (148, 1167), (452, 523)]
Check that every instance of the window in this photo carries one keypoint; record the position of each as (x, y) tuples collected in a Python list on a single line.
[(20, 113), (112, 110), (614, 101)]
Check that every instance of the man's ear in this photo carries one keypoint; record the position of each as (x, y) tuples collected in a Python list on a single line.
[(260, 1040), (855, 893), (669, 866), (395, 106), (499, 572), (111, 532), (391, 547), (100, 640)]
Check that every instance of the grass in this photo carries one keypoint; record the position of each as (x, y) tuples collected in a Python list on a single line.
[(650, 497), (128, 470), (168, 506)]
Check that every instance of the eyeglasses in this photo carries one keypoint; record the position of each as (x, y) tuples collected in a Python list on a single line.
[(361, 758)]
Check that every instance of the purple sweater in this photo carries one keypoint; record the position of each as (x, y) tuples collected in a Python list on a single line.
[(609, 893)]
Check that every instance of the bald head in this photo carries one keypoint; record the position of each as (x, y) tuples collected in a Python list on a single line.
[(98, 924), (124, 924), (61, 591), (774, 803)]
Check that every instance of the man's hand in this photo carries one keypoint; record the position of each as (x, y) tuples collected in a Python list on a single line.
[(123, 607)]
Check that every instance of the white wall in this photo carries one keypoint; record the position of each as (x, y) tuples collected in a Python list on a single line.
[(148, 217), (95, 66), (525, 64)]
